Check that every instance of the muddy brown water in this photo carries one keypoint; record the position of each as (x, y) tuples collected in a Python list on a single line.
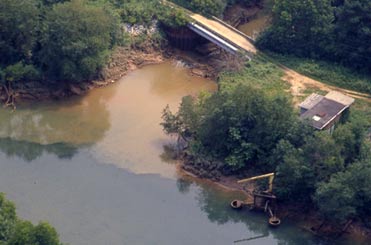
[(94, 168), (255, 26)]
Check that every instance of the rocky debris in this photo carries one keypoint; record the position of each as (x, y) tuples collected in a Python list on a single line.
[(136, 30), (75, 89), (203, 168), (199, 72)]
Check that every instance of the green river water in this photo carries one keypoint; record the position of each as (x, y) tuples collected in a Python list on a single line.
[(94, 168)]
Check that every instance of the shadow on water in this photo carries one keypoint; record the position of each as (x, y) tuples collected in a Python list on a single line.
[(29, 151)]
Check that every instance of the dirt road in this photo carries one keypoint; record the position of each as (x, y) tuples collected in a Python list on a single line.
[(299, 83)]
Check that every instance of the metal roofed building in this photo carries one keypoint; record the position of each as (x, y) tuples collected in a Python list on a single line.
[(323, 112)]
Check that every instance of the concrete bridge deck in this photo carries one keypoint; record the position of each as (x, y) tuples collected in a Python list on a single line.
[(218, 32), (226, 33)]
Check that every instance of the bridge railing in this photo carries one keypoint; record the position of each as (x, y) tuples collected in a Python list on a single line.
[(233, 29)]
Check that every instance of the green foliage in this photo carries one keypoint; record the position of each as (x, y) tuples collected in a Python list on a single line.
[(76, 40), (138, 12), (249, 122), (19, 21), (295, 177), (14, 231), (338, 31), (211, 7), (26, 233), (51, 2), (8, 218), (20, 72), (347, 194), (174, 18), (300, 27), (353, 33), (323, 154), (327, 72)]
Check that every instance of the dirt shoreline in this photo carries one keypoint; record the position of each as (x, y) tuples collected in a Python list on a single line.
[(122, 61)]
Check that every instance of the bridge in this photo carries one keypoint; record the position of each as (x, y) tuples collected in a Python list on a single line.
[(219, 33)]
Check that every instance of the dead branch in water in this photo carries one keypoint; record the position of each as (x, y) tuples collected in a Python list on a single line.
[(10, 101)]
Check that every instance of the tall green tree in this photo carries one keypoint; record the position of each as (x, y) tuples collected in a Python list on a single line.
[(347, 194), (8, 218), (19, 21), (295, 177), (353, 33), (76, 40), (301, 27), (239, 126), (14, 231)]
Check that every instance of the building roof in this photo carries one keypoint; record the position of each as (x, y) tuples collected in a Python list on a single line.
[(340, 98), (311, 101), (322, 110), (321, 114)]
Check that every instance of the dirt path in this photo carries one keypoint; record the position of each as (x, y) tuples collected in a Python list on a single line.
[(299, 83)]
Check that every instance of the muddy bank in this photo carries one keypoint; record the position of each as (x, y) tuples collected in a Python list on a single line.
[(122, 61)]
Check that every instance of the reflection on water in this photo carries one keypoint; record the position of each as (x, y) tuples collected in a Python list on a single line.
[(75, 121), (29, 151), (53, 165)]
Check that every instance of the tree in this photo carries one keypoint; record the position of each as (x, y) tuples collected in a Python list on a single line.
[(26, 233), (323, 154), (76, 41), (51, 2), (353, 33), (301, 27), (351, 137), (209, 7), (295, 177), (336, 199), (14, 231), (8, 218), (19, 20), (347, 194), (238, 126)]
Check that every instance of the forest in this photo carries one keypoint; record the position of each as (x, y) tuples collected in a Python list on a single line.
[(334, 30)]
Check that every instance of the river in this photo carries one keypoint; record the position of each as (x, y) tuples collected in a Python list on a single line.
[(94, 167)]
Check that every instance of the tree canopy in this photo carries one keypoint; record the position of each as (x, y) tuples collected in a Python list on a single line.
[(76, 40), (14, 231), (339, 31), (242, 128)]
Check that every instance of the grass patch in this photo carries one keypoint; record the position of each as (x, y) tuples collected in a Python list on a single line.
[(259, 73), (326, 72)]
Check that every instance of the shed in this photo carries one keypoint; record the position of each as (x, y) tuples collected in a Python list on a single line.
[(323, 112)]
